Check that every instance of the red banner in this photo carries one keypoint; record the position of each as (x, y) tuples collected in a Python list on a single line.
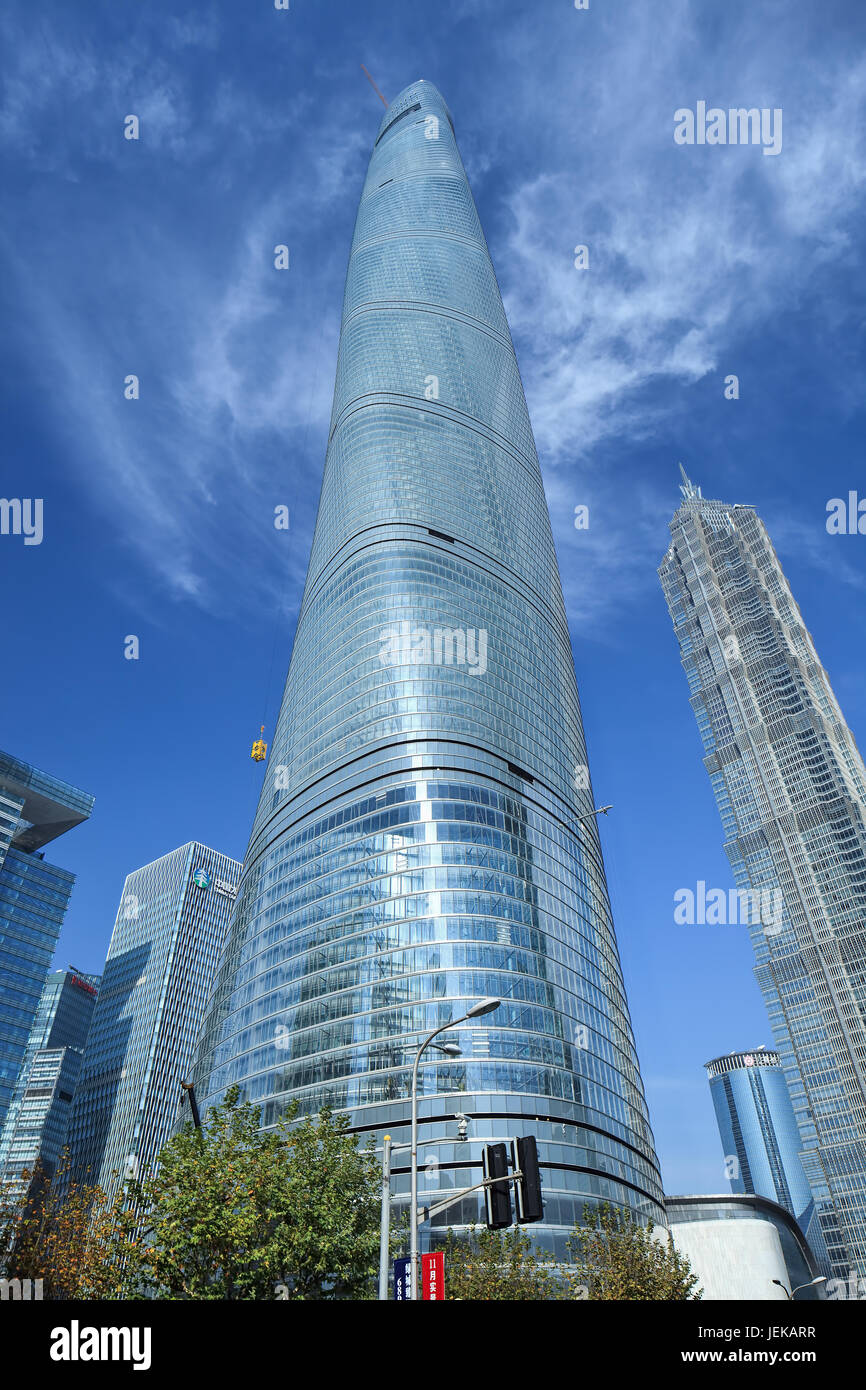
[(433, 1275)]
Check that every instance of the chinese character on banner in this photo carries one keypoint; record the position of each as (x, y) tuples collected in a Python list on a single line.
[(402, 1281), (433, 1275)]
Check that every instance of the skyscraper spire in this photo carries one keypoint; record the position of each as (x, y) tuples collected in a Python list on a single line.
[(687, 487)]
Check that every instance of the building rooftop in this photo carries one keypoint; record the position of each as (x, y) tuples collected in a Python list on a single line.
[(50, 806), (736, 1061)]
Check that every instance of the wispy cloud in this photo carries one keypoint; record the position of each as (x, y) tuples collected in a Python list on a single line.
[(692, 251), (168, 268), (690, 248), (235, 358)]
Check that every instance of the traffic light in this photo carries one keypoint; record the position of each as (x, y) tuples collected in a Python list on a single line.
[(497, 1197), (524, 1157)]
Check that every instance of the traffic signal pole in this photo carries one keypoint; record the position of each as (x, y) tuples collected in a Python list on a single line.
[(427, 1212), (422, 1214)]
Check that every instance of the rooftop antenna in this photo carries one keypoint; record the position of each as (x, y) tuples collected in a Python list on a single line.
[(687, 487), (373, 85)]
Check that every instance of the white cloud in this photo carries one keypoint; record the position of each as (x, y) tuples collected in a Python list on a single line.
[(690, 249)]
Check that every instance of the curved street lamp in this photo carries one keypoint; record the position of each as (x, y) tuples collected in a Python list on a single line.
[(484, 1006), (821, 1279)]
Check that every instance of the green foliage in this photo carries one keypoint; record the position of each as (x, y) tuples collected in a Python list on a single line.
[(234, 1213), (328, 1240), (69, 1235), (616, 1258), (231, 1212), (205, 1213), (494, 1266)]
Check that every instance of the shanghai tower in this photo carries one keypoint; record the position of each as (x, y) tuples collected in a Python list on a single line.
[(425, 836), (791, 789)]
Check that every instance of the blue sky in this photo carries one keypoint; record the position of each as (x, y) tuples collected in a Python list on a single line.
[(155, 257)]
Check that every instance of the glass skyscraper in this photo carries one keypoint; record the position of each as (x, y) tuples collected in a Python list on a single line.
[(38, 1116), (759, 1133), (791, 789), (170, 928), (34, 809), (425, 833)]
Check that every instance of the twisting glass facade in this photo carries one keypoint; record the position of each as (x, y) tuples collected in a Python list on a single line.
[(419, 842), (791, 789)]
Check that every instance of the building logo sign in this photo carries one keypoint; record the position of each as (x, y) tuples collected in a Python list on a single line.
[(226, 889), (201, 878), (82, 984)]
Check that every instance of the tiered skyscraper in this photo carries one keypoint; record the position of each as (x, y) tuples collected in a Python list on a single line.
[(34, 809), (170, 929), (791, 788), (424, 835)]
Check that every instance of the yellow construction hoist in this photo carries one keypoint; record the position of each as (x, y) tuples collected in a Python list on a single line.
[(260, 748)]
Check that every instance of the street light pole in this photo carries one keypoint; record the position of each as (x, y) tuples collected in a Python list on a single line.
[(385, 1223), (450, 1050), (821, 1279), (484, 1006)]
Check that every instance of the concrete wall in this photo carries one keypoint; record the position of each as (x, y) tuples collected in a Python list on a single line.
[(733, 1259)]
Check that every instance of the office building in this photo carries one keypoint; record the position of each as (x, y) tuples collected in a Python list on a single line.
[(759, 1134), (35, 809), (791, 790), (425, 834), (170, 927), (34, 1134)]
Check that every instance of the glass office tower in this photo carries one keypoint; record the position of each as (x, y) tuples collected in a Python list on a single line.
[(425, 833), (791, 789), (170, 928), (38, 1116), (34, 809), (759, 1133)]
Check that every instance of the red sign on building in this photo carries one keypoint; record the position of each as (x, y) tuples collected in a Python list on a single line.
[(433, 1275), (81, 984)]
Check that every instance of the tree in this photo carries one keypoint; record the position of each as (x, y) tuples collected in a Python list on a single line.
[(329, 1236), (69, 1235), (498, 1266), (204, 1211), (616, 1258), (231, 1212)]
